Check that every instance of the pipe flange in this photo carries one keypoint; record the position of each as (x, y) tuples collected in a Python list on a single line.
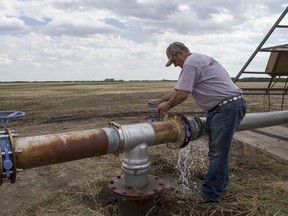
[(153, 188), (119, 130), (1, 167), (179, 121), (187, 130), (14, 172), (7, 158), (136, 171)]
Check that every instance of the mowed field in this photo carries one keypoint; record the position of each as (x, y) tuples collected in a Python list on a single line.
[(258, 182)]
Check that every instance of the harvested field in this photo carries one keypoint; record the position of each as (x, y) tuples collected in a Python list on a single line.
[(258, 182)]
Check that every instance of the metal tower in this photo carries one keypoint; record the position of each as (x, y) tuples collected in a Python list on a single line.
[(276, 68)]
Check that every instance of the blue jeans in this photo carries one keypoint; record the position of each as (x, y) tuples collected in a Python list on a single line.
[(221, 124)]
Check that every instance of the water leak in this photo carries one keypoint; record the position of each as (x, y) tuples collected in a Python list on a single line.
[(192, 164)]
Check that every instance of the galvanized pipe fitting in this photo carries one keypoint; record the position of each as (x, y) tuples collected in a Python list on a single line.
[(126, 137), (136, 166)]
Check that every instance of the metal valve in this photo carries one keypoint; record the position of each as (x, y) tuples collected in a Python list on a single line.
[(7, 152), (153, 118)]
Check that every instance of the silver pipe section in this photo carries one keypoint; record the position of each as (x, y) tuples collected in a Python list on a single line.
[(264, 119), (126, 137), (136, 166), (258, 120)]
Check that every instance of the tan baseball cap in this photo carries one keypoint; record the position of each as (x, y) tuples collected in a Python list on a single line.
[(172, 50)]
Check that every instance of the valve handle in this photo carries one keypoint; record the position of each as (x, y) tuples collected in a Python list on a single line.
[(158, 111), (5, 116), (152, 105)]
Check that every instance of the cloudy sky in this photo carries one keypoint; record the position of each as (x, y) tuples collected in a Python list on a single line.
[(67, 40)]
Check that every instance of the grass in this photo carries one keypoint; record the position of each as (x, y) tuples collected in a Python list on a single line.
[(258, 182)]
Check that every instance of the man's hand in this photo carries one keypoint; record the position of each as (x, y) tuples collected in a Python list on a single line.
[(177, 98), (164, 106), (153, 101)]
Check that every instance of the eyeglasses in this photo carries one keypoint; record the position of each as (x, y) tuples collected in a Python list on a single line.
[(173, 56)]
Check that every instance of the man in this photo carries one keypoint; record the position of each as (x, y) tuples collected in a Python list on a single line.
[(213, 90)]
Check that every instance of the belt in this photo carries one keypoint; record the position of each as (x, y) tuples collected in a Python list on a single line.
[(239, 97)]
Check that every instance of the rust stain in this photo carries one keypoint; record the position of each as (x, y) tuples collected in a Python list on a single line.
[(57, 148)]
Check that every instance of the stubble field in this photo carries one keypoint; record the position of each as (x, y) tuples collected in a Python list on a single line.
[(258, 182)]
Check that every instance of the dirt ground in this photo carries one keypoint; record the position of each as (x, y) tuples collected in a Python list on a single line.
[(259, 183)]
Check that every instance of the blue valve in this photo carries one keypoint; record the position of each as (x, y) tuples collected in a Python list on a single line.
[(187, 132), (6, 149), (8, 164), (159, 115), (5, 116), (152, 105)]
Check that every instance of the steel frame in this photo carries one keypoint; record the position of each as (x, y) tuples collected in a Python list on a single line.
[(274, 78)]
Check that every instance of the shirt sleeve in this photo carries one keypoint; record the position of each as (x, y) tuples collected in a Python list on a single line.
[(186, 79)]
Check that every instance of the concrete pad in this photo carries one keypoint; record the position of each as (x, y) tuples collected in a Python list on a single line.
[(273, 140)]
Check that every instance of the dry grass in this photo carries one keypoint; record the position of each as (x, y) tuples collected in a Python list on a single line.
[(258, 182)]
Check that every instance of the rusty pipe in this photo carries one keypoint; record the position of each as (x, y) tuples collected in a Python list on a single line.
[(57, 148)]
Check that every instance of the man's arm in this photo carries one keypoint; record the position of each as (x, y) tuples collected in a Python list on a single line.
[(177, 98), (162, 99)]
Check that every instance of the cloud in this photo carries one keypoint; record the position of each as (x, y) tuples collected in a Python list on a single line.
[(5, 60), (93, 40), (11, 24)]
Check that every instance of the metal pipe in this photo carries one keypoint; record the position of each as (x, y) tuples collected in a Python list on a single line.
[(58, 148), (264, 119), (137, 200), (136, 166), (259, 120)]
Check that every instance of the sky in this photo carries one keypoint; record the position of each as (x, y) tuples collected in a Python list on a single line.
[(83, 40)]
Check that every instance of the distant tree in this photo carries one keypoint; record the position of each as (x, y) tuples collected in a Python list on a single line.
[(258, 79), (109, 80)]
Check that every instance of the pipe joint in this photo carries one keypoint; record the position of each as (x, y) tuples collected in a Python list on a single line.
[(121, 138), (8, 169), (7, 153), (179, 129), (197, 127), (126, 137), (136, 166)]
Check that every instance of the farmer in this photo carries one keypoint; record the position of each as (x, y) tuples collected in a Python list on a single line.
[(213, 90)]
